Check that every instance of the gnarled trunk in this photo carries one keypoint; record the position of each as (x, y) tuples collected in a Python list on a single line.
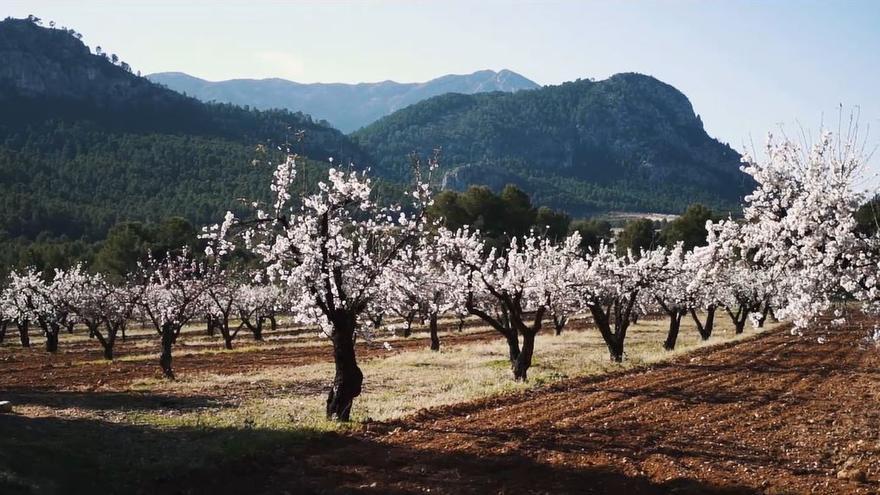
[(524, 360), (674, 326), (408, 323), (435, 339), (739, 318), (273, 324), (512, 346), (168, 337), (614, 339), (349, 378), (52, 341), (764, 314), (256, 328), (51, 332), (210, 326), (559, 323), (705, 329), (23, 335)]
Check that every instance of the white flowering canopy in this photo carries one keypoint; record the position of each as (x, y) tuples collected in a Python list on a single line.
[(331, 250)]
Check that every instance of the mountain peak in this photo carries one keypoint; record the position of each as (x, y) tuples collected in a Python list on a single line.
[(346, 106)]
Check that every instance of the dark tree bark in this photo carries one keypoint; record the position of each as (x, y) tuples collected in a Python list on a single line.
[(347, 383), (51, 331), (524, 359), (256, 326), (273, 323), (705, 329), (435, 339), (739, 318), (674, 326), (3, 325), (168, 337), (460, 324), (513, 350), (408, 323), (622, 312), (23, 333), (764, 313), (210, 326), (559, 323)]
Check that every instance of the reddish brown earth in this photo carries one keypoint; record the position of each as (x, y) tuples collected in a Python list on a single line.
[(34, 369), (777, 414)]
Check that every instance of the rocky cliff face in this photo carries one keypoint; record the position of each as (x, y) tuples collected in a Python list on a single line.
[(34, 63), (629, 142)]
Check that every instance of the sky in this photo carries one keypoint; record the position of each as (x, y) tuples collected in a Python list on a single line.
[(748, 67)]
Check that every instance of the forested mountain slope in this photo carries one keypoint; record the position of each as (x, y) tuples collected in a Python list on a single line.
[(84, 143), (629, 142)]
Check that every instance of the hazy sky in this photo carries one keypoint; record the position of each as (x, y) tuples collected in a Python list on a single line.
[(746, 66)]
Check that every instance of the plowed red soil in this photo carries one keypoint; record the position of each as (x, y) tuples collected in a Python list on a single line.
[(776, 414), (34, 369)]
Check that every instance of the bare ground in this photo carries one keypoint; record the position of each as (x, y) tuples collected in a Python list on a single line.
[(776, 414)]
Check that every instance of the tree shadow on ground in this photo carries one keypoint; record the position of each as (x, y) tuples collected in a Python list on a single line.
[(112, 401), (51, 455), (55, 456), (354, 464)]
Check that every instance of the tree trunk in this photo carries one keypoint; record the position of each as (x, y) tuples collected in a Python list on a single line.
[(674, 326), (460, 323), (209, 324), (23, 334), (742, 317), (349, 379), (408, 322), (705, 329), (559, 323), (435, 340), (764, 314), (258, 329), (52, 332), (3, 325), (165, 357), (112, 331), (612, 341), (512, 346), (710, 322), (273, 325), (524, 360)]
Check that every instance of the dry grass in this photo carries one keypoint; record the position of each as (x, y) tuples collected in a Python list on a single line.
[(398, 385)]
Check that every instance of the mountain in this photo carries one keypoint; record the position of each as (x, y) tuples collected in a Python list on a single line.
[(84, 143), (629, 142), (345, 106)]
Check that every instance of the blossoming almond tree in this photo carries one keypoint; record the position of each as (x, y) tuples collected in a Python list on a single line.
[(669, 291), (521, 281), (609, 285), (96, 302), (172, 296), (46, 303), (16, 302), (330, 250), (799, 224), (422, 286)]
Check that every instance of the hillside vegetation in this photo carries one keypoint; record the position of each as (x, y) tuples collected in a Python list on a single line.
[(84, 143), (629, 142)]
